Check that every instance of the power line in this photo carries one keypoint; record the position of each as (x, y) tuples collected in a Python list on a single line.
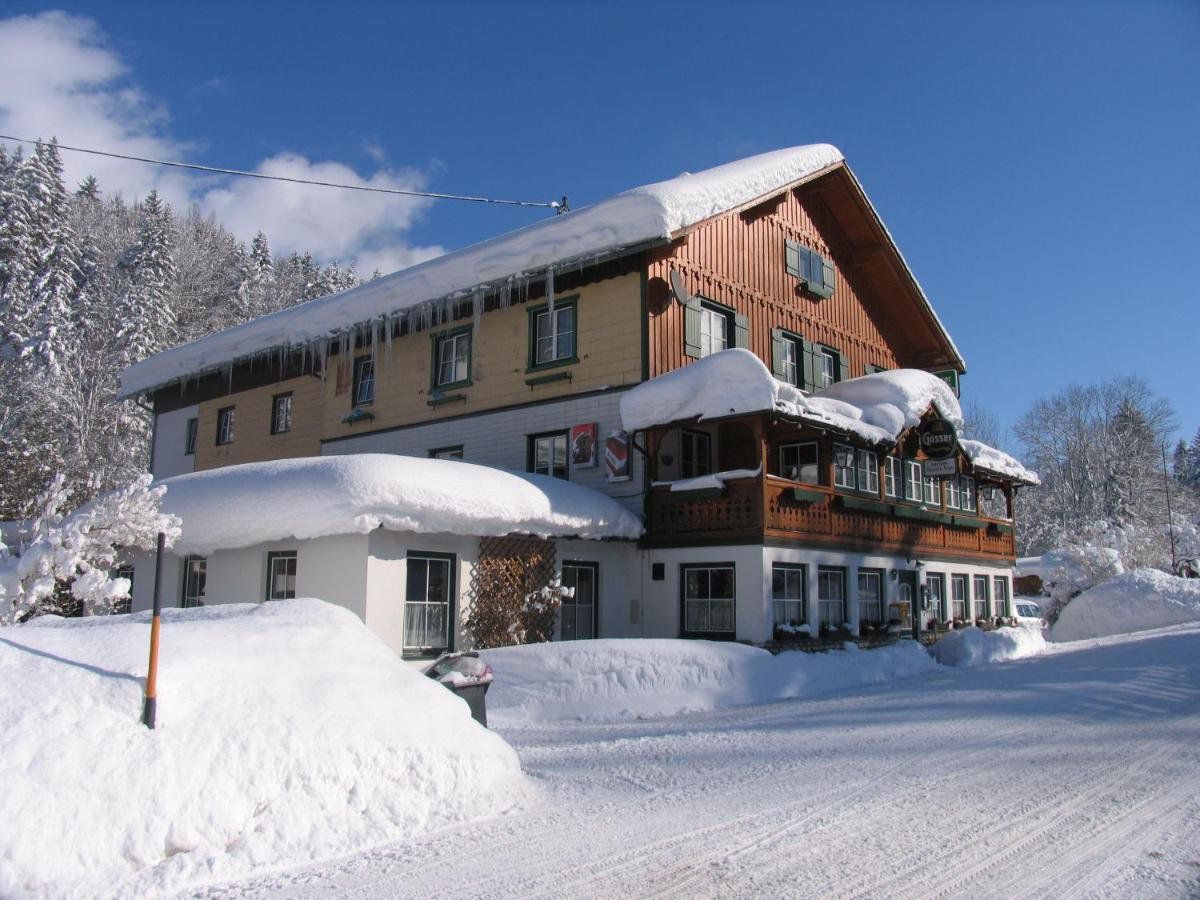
[(559, 206)]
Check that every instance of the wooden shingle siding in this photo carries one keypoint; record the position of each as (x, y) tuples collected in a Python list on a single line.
[(252, 438)]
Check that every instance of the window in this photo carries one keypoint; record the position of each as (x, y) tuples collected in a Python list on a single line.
[(364, 381), (452, 358), (552, 335), (281, 575), (831, 597), (447, 453), (1000, 595), (933, 491), (189, 439), (843, 466), (789, 361), (966, 498), (892, 477), (714, 330), (281, 413), (195, 578), (810, 267), (867, 471), (548, 454), (695, 454), (577, 615), (981, 597), (428, 603), (225, 426), (912, 483), (799, 462), (950, 485), (937, 595), (828, 363), (787, 595), (870, 597), (958, 594), (707, 599)]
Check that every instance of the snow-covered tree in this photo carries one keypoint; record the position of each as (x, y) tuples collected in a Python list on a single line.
[(1068, 572), (146, 313)]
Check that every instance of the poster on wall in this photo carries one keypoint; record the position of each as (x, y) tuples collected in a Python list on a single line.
[(583, 446), (616, 456)]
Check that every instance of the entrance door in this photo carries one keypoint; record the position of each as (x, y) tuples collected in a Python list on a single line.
[(907, 596)]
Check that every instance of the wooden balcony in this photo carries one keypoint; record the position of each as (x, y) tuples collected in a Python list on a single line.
[(751, 510)]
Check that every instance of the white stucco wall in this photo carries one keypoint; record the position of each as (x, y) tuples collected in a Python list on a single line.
[(619, 582), (170, 440)]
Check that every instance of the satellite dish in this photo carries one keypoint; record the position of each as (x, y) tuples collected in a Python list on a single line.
[(678, 289)]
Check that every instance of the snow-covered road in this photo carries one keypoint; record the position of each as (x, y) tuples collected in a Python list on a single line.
[(1076, 773)]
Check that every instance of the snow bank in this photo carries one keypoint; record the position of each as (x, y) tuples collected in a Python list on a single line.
[(652, 212), (239, 506), (997, 461), (973, 647), (641, 678), (287, 733), (1132, 601)]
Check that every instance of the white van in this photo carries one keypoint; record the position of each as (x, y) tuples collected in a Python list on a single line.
[(1028, 613)]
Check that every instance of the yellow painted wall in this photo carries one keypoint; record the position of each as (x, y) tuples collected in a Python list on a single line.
[(252, 438)]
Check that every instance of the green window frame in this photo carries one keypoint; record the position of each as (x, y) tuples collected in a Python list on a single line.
[(789, 594), (281, 413), (225, 425), (708, 600), (579, 615), (546, 454), (566, 321), (698, 334), (453, 452), (281, 575), (364, 381), (870, 596), (817, 273), (451, 359), (430, 601), (195, 581)]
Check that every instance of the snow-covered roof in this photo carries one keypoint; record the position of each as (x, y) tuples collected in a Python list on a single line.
[(643, 214), (876, 408), (240, 506)]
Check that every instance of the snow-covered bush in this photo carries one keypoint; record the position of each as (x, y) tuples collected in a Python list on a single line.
[(1069, 571), (66, 565)]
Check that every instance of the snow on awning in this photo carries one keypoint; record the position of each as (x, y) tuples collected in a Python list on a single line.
[(240, 506), (644, 214), (876, 408)]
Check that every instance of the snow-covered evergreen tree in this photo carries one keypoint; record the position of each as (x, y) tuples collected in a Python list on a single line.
[(146, 313)]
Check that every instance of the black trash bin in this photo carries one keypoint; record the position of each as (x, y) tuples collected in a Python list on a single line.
[(467, 676)]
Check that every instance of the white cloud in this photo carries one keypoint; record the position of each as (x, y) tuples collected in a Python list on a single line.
[(60, 77)]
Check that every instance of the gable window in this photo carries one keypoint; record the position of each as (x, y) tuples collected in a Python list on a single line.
[(548, 454), (452, 358), (831, 596), (933, 491), (195, 578), (577, 615), (428, 603), (225, 426), (553, 335), (870, 597), (815, 271), (1000, 597), (364, 381), (958, 596), (912, 482), (281, 575), (867, 471), (843, 466), (189, 437), (981, 596), (893, 476), (281, 413), (447, 453), (707, 597), (787, 595), (799, 462), (695, 454)]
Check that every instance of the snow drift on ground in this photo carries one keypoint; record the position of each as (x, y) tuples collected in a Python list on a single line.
[(1133, 601), (652, 212), (239, 506), (639, 678), (287, 733), (968, 647)]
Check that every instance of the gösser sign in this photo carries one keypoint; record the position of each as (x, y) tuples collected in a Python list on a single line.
[(938, 438)]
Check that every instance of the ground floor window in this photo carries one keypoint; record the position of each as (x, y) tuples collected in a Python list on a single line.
[(787, 594), (831, 597), (548, 454), (195, 576), (981, 597), (1000, 595), (428, 603), (870, 597), (281, 575), (958, 594), (708, 599), (937, 595), (577, 616)]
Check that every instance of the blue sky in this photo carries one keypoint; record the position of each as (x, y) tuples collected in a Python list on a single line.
[(1036, 164)]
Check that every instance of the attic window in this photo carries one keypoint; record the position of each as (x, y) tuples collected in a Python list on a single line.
[(815, 272)]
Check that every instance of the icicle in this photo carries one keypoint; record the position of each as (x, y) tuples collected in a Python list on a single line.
[(550, 312), (477, 308)]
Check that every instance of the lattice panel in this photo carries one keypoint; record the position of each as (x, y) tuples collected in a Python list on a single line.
[(510, 568)]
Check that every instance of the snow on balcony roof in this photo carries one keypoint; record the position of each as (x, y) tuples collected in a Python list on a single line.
[(240, 506), (877, 408), (637, 216)]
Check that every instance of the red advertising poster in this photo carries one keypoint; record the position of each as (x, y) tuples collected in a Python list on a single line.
[(583, 446), (616, 456)]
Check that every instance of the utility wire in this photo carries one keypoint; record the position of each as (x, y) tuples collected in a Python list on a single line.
[(556, 205)]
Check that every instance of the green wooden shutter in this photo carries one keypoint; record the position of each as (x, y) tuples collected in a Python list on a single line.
[(778, 349), (741, 331), (791, 257), (691, 328), (827, 276), (811, 365), (843, 369)]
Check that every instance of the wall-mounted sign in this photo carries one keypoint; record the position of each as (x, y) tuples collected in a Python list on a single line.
[(938, 438), (950, 376), (583, 446), (936, 468), (616, 456)]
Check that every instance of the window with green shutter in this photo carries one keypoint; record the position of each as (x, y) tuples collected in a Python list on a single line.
[(710, 328), (815, 271)]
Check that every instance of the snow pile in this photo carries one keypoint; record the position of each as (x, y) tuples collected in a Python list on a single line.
[(714, 482), (287, 733), (239, 506), (648, 213), (639, 678), (997, 461), (968, 647), (1132, 601), (893, 401)]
